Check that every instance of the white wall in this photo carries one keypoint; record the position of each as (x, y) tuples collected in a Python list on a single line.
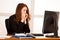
[(42, 5), (9, 6)]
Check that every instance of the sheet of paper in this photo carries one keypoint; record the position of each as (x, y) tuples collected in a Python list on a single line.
[(20, 34), (40, 37), (4, 37)]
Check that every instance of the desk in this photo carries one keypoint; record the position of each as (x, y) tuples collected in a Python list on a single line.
[(12, 38), (31, 39)]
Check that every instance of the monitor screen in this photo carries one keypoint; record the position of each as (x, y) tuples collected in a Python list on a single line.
[(50, 24)]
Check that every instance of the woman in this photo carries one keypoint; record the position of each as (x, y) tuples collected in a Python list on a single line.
[(19, 22)]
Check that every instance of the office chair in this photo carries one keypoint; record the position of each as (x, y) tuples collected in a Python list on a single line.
[(7, 25)]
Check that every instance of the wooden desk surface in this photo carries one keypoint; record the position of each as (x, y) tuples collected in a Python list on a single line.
[(12, 38), (31, 39)]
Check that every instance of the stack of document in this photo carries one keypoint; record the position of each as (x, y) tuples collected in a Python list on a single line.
[(22, 35)]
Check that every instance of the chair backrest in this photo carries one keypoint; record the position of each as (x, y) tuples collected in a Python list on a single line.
[(7, 25)]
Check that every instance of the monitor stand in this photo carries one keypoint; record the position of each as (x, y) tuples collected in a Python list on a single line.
[(52, 36)]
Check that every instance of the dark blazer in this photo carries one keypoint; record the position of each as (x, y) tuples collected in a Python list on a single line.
[(13, 27)]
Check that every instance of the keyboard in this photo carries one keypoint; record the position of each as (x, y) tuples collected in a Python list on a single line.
[(38, 34)]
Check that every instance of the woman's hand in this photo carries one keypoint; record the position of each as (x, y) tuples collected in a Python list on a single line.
[(24, 18)]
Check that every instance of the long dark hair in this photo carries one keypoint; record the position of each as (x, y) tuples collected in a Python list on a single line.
[(18, 12)]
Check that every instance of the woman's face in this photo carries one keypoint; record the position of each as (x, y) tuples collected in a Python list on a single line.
[(23, 11)]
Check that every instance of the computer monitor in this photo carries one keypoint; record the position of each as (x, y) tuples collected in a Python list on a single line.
[(50, 24)]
